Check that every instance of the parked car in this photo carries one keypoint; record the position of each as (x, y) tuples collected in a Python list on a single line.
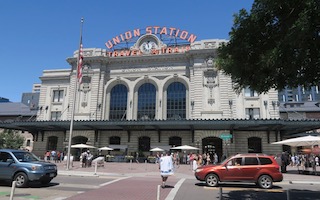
[(23, 167), (257, 168)]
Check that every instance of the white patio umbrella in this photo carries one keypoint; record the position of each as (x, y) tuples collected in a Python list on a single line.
[(83, 146), (185, 147), (156, 149), (300, 141), (105, 148)]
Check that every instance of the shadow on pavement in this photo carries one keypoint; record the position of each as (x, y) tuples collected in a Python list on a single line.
[(269, 194), (237, 185)]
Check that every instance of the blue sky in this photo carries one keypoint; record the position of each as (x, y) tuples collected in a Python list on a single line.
[(39, 35)]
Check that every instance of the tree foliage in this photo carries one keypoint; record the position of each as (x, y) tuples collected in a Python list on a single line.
[(276, 44), (10, 139)]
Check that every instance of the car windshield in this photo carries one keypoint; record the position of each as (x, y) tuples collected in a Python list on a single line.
[(26, 156)]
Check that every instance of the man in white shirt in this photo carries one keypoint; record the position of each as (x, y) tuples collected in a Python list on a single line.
[(166, 168)]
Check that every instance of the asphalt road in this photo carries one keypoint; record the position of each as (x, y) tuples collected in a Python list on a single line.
[(141, 182)]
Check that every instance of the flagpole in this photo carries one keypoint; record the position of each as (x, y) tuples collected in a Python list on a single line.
[(74, 98)]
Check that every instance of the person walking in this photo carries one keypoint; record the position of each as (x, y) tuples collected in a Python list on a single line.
[(137, 157), (166, 168)]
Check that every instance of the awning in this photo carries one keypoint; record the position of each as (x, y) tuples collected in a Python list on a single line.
[(118, 146)]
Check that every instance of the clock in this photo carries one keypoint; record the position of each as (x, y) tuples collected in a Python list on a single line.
[(147, 46)]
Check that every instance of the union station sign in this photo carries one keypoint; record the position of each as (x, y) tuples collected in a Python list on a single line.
[(150, 41)]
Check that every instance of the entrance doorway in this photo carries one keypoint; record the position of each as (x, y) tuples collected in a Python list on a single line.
[(76, 151), (212, 145)]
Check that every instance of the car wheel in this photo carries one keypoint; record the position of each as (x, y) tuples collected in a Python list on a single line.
[(45, 182), (212, 180), (21, 180), (265, 182)]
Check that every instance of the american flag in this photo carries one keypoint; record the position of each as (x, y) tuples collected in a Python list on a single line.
[(79, 70)]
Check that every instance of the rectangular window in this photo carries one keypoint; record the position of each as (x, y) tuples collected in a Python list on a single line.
[(250, 93), (56, 115), (57, 96), (252, 113), (251, 161)]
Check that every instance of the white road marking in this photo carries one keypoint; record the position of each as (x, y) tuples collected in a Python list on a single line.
[(116, 180), (174, 191)]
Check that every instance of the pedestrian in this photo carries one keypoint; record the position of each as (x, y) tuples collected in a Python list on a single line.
[(216, 159), (208, 159), (83, 159), (137, 157), (284, 162), (166, 168), (195, 163), (47, 156), (57, 158)]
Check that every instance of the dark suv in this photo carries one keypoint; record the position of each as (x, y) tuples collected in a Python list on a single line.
[(257, 168), (23, 166)]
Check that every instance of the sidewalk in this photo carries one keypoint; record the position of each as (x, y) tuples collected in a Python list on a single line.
[(122, 169)]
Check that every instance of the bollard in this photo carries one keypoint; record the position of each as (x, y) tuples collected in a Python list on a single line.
[(95, 168), (130, 164), (220, 193), (158, 192), (13, 187), (146, 165), (288, 194)]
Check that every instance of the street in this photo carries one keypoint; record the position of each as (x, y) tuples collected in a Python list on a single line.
[(140, 182)]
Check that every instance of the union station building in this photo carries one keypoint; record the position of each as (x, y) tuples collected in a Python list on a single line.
[(155, 87)]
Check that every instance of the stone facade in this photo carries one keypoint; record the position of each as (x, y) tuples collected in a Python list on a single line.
[(209, 95)]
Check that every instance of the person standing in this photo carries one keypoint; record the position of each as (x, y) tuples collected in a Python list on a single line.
[(208, 159), (216, 159), (137, 157), (166, 168), (195, 163), (284, 162)]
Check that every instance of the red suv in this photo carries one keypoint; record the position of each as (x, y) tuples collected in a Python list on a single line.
[(257, 168)]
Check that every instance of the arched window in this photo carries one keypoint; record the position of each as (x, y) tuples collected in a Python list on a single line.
[(28, 143), (254, 145), (176, 101), (147, 101), (144, 144), (118, 102), (52, 143), (114, 140), (175, 141)]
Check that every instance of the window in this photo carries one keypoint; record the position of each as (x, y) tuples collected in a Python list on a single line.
[(118, 102), (5, 157), (175, 141), (57, 96), (147, 101), (28, 143), (56, 115), (252, 113), (144, 144), (52, 143), (251, 161), (248, 92), (235, 162), (254, 145), (176, 101), (114, 140), (265, 161)]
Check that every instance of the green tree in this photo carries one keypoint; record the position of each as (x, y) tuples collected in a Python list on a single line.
[(11, 139), (276, 44)]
